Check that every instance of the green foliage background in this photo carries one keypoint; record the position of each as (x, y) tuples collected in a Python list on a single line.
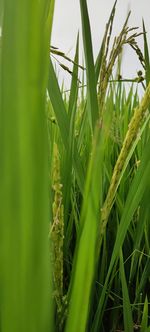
[(74, 180)]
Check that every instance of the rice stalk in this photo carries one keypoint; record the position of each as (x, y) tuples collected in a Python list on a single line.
[(134, 125), (116, 50), (57, 233)]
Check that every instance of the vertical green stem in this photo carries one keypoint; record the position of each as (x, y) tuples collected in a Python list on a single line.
[(24, 212)]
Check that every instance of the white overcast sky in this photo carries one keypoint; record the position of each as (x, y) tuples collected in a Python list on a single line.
[(67, 23)]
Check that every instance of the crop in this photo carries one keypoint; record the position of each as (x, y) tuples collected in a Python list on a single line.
[(74, 179)]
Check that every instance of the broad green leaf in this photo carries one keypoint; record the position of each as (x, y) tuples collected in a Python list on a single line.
[(72, 109), (145, 316), (91, 79), (74, 83), (85, 259), (127, 314), (1, 11)]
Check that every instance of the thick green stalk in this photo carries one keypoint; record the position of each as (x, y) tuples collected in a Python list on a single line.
[(24, 213)]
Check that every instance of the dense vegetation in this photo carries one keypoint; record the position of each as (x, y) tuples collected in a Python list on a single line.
[(74, 180)]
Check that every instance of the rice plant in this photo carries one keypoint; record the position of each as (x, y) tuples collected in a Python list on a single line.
[(74, 178)]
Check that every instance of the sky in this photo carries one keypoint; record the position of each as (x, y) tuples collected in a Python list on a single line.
[(67, 23)]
